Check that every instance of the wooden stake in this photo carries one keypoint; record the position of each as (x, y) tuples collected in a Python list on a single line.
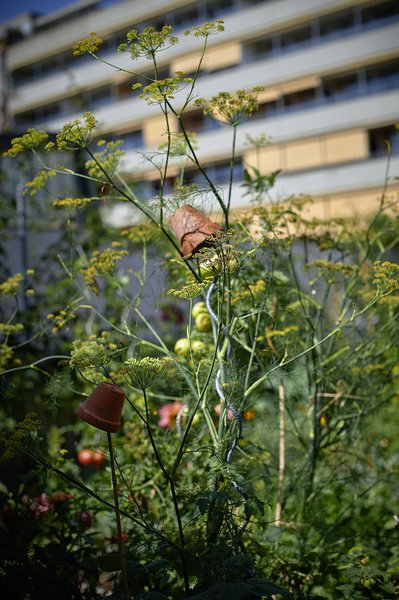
[(281, 468), (125, 586)]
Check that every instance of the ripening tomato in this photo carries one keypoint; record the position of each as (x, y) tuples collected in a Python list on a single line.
[(197, 346), (91, 458), (85, 457), (98, 457), (182, 346), (198, 308), (203, 322)]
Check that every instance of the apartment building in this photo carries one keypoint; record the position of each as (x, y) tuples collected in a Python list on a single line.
[(329, 69)]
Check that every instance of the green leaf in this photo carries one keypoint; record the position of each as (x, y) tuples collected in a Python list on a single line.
[(224, 591), (151, 596), (263, 587), (203, 503), (155, 565), (254, 589), (109, 562), (246, 175)]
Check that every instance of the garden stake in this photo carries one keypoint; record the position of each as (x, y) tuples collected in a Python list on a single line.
[(125, 585), (281, 468), (218, 386), (103, 409)]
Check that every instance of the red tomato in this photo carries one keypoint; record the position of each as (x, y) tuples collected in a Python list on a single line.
[(98, 457), (91, 458), (85, 457)]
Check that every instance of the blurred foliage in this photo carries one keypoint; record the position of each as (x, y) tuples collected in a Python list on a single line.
[(257, 454)]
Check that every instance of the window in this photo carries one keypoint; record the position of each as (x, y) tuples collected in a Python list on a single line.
[(74, 104), (99, 96), (218, 173), (25, 119), (300, 97), (31, 117), (23, 74), (265, 109), (185, 16), (196, 121), (50, 65), (378, 12), (50, 110), (120, 36), (258, 49), (334, 24), (383, 76), (147, 190), (124, 89), (343, 86), (218, 7), (383, 140), (132, 140), (296, 36)]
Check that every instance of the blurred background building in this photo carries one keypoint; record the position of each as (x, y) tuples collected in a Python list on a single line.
[(330, 71)]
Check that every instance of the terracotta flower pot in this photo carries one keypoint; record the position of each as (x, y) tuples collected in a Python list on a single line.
[(103, 407), (192, 228)]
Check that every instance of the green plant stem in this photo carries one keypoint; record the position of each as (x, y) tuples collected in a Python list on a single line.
[(252, 351), (142, 208), (36, 362), (231, 174), (165, 170), (109, 323), (334, 331), (165, 349), (170, 481), (195, 76), (195, 160), (89, 492), (180, 452), (315, 442)]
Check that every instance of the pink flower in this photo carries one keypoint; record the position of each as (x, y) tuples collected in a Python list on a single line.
[(173, 313), (40, 505), (82, 520), (168, 413)]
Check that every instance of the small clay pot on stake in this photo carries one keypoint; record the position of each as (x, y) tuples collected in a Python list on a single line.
[(103, 409), (192, 229)]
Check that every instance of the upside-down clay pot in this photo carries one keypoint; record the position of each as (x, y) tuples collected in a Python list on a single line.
[(103, 407), (192, 228)]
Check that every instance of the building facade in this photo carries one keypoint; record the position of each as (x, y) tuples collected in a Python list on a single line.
[(329, 69)]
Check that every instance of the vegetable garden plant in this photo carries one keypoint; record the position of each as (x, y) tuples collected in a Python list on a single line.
[(256, 455)]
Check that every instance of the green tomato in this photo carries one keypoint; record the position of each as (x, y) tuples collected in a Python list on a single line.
[(182, 346), (198, 308), (198, 346), (203, 322)]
